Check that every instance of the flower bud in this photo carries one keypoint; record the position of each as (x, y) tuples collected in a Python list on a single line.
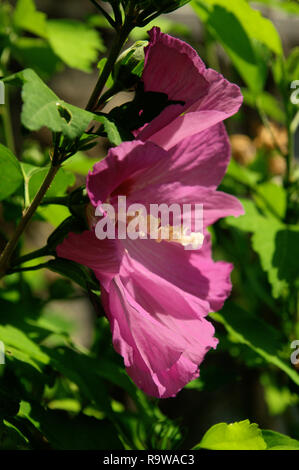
[(129, 65)]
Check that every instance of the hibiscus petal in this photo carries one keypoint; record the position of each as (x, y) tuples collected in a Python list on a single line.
[(199, 160), (121, 170), (204, 283), (145, 260), (173, 67), (216, 204), (166, 61), (223, 96), (102, 256), (182, 127), (166, 348)]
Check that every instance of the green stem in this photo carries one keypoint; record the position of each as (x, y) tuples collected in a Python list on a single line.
[(58, 152), (104, 13), (266, 123), (117, 13), (114, 53), (6, 119), (29, 212), (290, 155)]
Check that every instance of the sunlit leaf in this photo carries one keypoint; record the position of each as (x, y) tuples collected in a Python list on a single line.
[(235, 436), (75, 43), (43, 108)]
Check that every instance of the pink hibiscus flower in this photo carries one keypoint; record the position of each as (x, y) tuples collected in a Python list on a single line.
[(207, 98), (157, 295)]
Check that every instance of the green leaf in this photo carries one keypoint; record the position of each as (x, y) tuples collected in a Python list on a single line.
[(43, 108), (71, 433), (278, 397), (80, 163), (248, 222), (278, 247), (11, 173), (66, 404), (266, 102), (242, 174), (256, 26), (36, 54), (11, 437), (34, 177), (26, 17), (238, 46), (292, 64), (238, 27), (248, 329), (75, 43), (277, 441), (19, 346), (272, 198), (241, 435), (53, 214), (288, 6), (74, 271), (113, 133), (89, 372)]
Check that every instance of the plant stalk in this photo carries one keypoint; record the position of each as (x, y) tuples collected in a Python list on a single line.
[(114, 53), (29, 212)]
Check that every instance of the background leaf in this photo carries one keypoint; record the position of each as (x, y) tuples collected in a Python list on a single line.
[(28, 18), (11, 174), (75, 43)]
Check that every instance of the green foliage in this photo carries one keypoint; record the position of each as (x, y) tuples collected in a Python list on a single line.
[(36, 54), (43, 108), (235, 436), (34, 176), (55, 42), (238, 28), (265, 102), (55, 392), (111, 129), (244, 435), (252, 331), (75, 43), (277, 441), (288, 6), (11, 174), (277, 246), (26, 17), (275, 242)]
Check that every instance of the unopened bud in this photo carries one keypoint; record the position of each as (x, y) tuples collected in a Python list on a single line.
[(130, 63)]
